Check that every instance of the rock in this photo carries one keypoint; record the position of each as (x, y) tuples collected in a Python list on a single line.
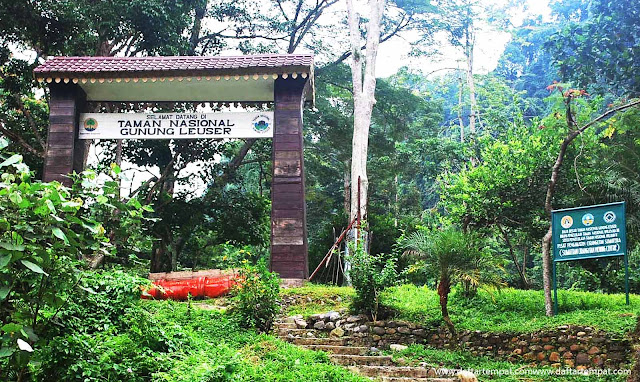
[(315, 317), (567, 355), (404, 330), (593, 350), (351, 319), (397, 347), (597, 361), (301, 324), (378, 330), (466, 376), (310, 334), (563, 327), (517, 351), (330, 326), (376, 337), (421, 333), (548, 347), (319, 325), (337, 332), (575, 347), (554, 357), (334, 316), (569, 363), (582, 359), (374, 349), (363, 328), (390, 331), (293, 319), (541, 356), (556, 365), (580, 334)]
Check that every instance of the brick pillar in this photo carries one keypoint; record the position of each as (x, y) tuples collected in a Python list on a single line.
[(65, 153), (289, 256)]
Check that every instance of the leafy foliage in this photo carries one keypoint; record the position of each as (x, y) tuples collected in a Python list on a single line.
[(370, 275), (454, 257), (47, 230), (255, 300)]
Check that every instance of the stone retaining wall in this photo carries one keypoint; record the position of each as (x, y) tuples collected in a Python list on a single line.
[(570, 346)]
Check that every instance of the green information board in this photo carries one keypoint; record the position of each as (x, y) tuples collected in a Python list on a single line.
[(589, 232)]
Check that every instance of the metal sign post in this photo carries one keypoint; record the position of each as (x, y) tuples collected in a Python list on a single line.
[(586, 233)]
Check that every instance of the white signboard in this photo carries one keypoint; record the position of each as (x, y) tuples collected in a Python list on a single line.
[(175, 125)]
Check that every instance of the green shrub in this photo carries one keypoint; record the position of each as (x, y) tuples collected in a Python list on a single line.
[(103, 333), (255, 298), (369, 277)]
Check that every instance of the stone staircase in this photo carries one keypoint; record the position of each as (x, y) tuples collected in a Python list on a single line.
[(353, 353)]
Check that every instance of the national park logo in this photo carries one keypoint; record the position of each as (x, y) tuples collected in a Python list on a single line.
[(90, 124), (609, 217), (261, 124), (587, 219), (566, 222)]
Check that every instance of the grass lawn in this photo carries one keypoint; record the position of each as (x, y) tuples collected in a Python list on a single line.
[(461, 360), (509, 310), (513, 310), (315, 298)]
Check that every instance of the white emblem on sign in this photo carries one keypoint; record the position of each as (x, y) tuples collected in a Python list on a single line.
[(566, 222), (587, 219), (609, 217)]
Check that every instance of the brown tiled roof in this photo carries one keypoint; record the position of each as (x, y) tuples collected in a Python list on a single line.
[(175, 65)]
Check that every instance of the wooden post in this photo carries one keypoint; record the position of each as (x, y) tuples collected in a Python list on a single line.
[(289, 256), (64, 153)]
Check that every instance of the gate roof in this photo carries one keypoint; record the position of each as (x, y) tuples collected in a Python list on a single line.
[(247, 78)]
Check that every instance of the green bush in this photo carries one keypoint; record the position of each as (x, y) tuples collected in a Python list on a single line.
[(46, 232), (255, 298), (103, 333), (370, 275)]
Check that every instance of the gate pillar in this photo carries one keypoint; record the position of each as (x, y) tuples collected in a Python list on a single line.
[(65, 153), (289, 247)]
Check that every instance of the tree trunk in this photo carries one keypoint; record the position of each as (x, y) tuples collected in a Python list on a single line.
[(469, 45), (363, 75), (347, 187), (521, 269), (444, 287), (460, 120)]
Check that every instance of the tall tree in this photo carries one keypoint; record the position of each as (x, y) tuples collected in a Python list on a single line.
[(363, 75)]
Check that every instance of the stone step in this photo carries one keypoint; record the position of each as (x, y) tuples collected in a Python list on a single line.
[(393, 371), (294, 332), (318, 341), (346, 360), (286, 325), (339, 349)]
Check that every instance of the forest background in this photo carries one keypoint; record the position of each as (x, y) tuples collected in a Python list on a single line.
[(448, 146)]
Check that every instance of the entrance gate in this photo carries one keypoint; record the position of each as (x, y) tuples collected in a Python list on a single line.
[(284, 80)]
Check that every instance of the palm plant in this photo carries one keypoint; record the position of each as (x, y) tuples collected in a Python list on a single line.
[(452, 257)]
